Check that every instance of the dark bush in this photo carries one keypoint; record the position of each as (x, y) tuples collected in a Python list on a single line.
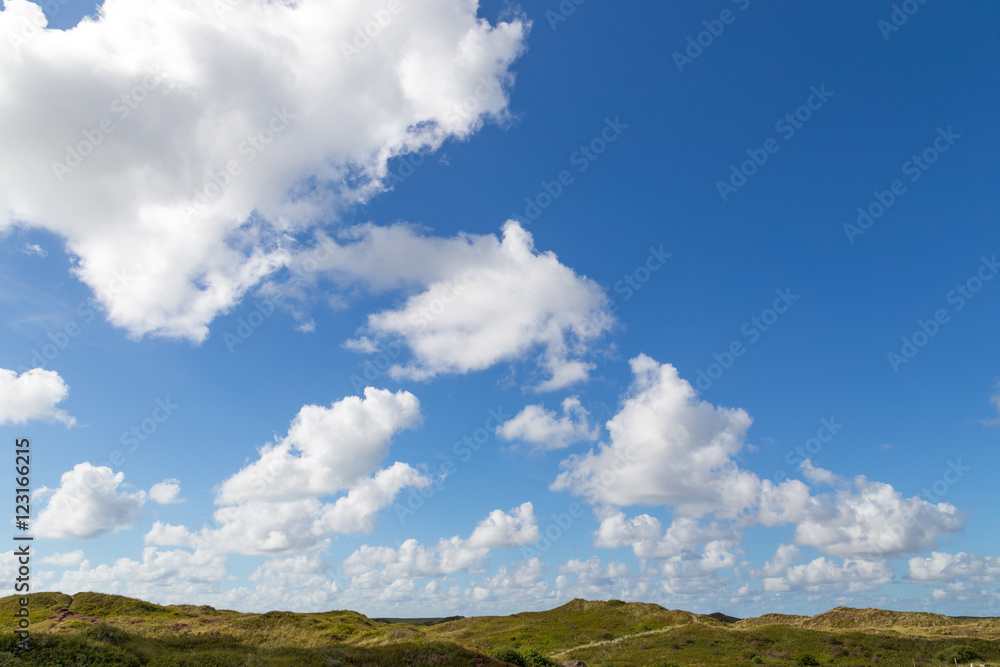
[(528, 657), (509, 654), (960, 653), (108, 634)]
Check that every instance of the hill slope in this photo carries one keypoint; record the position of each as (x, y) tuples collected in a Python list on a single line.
[(97, 629)]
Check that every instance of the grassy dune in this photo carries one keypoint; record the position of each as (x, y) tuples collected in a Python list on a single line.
[(95, 629)]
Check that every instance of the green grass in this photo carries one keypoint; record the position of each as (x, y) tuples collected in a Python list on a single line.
[(114, 630)]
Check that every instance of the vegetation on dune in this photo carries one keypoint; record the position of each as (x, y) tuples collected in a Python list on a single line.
[(573, 624), (95, 629)]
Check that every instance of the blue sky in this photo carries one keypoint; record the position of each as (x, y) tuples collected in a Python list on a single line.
[(502, 305)]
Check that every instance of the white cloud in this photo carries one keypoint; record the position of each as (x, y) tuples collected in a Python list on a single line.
[(945, 567), (817, 475), (821, 574), (644, 534), (668, 447), (484, 301), (545, 429), (873, 520), (88, 503), (519, 583), (357, 512), (693, 574), (67, 559), (165, 534), (176, 575), (783, 503), (278, 503), (327, 449), (499, 530), (590, 579), (202, 140), (33, 249), (166, 492), (293, 581), (413, 560), (265, 526), (31, 396)]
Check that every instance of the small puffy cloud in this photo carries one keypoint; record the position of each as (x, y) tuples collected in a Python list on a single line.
[(166, 492), (778, 504), (323, 478), (518, 582), (592, 579), (545, 429), (88, 503), (327, 449), (357, 511), (165, 534), (293, 581), (944, 567), (265, 526), (667, 447), (159, 574), (821, 574), (229, 134), (499, 530), (31, 396), (413, 560), (818, 475), (34, 249), (873, 520), (67, 559), (484, 301), (694, 573), (644, 534)]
